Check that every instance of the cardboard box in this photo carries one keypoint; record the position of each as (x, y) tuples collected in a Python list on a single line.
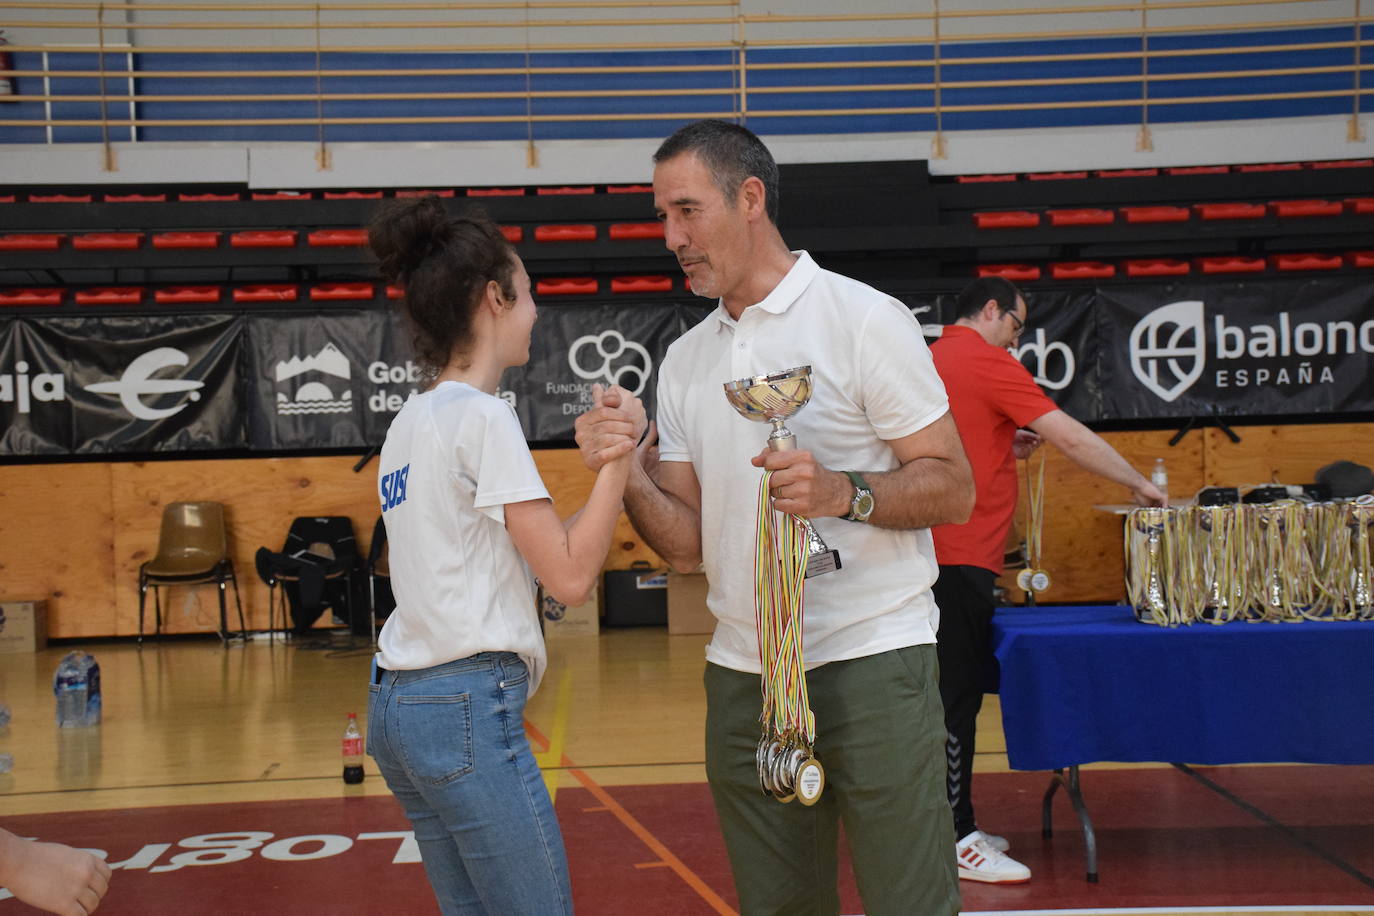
[(635, 597), (559, 620), (23, 626), (687, 611)]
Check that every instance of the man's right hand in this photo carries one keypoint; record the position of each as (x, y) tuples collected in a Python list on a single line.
[(611, 428)]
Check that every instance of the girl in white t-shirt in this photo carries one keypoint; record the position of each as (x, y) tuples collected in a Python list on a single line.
[(467, 520)]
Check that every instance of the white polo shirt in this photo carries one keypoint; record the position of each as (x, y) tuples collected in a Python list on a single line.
[(453, 458), (873, 380)]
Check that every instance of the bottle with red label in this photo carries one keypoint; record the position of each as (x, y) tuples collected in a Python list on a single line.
[(352, 751)]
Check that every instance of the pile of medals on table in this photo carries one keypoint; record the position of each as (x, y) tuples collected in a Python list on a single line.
[(1285, 560)]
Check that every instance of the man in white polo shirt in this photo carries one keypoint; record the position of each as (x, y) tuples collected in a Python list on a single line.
[(878, 461)]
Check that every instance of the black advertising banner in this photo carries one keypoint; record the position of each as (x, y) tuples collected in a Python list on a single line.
[(36, 418), (310, 379), (130, 383), (1236, 349), (1060, 347), (577, 346)]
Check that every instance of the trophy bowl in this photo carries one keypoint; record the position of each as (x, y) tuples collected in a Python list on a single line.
[(772, 398)]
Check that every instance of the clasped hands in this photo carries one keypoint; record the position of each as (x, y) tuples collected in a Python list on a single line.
[(799, 485)]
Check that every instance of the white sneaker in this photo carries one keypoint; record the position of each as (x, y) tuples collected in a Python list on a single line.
[(998, 843), (979, 861)]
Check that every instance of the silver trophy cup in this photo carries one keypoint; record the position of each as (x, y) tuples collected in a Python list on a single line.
[(773, 399)]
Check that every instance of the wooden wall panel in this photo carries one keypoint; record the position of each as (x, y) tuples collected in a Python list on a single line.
[(56, 543), (75, 534), (1284, 454)]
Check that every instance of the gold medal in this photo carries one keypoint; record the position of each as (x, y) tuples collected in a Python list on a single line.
[(1023, 579), (1039, 580), (810, 781)]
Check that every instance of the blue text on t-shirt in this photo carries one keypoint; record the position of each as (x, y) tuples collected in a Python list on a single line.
[(394, 488)]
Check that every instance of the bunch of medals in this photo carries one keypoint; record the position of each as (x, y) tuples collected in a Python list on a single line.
[(787, 766), (1285, 561), (1034, 578)]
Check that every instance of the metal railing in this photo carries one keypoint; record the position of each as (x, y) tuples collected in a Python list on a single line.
[(130, 69)]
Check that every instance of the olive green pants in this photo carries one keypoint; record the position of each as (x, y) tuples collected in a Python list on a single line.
[(880, 735)]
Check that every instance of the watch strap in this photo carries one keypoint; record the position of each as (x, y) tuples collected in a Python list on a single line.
[(859, 484)]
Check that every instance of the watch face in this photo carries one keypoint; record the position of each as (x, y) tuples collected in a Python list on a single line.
[(863, 504)]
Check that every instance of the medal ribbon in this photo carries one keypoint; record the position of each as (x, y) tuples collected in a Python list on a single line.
[(779, 580)]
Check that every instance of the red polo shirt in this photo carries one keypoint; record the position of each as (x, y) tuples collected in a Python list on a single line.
[(991, 395)]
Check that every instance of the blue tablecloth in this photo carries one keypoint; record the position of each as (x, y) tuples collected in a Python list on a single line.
[(1085, 684)]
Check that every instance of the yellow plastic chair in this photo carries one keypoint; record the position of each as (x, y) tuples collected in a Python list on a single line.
[(192, 549)]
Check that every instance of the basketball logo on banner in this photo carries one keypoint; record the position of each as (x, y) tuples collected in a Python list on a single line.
[(609, 357), (1168, 348)]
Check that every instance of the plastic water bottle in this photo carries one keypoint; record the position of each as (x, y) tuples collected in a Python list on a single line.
[(76, 684), (352, 751), (1160, 478)]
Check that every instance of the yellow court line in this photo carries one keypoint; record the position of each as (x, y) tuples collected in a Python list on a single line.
[(552, 755)]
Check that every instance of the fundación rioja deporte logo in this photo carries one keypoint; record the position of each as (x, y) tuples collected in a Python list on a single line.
[(1169, 348), (137, 382), (609, 357)]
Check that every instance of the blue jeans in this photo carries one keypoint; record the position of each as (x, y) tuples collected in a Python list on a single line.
[(450, 742)]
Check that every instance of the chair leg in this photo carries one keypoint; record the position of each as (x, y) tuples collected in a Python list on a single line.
[(238, 603), (157, 610), (223, 622), (142, 600)]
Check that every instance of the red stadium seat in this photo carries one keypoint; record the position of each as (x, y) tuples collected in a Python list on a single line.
[(641, 284), (1006, 219), (6, 198), (1010, 271), (283, 195), (1083, 216), (186, 240), (1289, 209), (566, 286), (1360, 258), (207, 198), (1230, 211), (50, 295), (563, 192), (110, 295), (334, 292), (1082, 270), (1156, 214), (513, 234), (1271, 167), (1231, 264), (496, 192), (629, 189), (1156, 267), (580, 232), (623, 231), (395, 292), (446, 192), (267, 292), (1126, 173), (1306, 261), (1360, 206), (264, 238), (59, 198), (108, 241), (1055, 176), (186, 294), (28, 241), (1199, 170), (134, 198), (337, 238), (352, 195), (1343, 164)]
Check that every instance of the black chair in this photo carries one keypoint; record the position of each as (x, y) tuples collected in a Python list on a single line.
[(380, 599), (192, 548), (315, 569)]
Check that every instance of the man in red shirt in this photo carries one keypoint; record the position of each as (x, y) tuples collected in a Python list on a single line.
[(992, 396)]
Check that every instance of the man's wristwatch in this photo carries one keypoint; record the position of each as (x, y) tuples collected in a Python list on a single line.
[(862, 505)]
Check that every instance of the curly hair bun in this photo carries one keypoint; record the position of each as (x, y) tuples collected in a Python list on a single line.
[(406, 232)]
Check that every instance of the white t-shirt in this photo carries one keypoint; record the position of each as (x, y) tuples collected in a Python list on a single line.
[(453, 458), (873, 380)]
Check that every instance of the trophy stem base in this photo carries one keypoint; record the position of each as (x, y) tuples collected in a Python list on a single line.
[(820, 559)]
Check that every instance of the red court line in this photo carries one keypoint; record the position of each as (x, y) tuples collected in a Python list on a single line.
[(688, 876)]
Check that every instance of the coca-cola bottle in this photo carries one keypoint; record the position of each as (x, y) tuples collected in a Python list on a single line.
[(352, 751)]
